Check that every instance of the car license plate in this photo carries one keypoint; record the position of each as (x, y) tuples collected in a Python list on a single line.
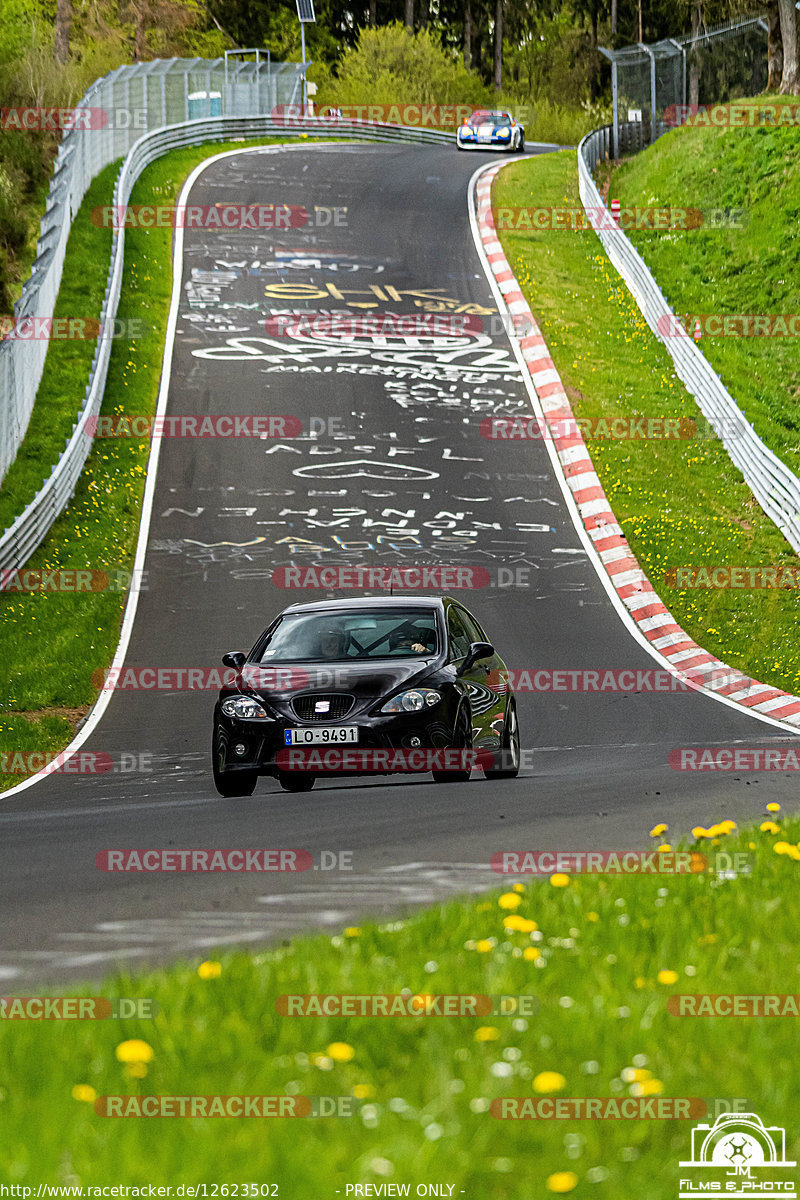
[(329, 735)]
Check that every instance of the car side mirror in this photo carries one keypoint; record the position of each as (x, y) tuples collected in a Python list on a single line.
[(235, 659), (476, 651)]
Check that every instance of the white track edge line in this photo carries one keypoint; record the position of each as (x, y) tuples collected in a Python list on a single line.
[(605, 578)]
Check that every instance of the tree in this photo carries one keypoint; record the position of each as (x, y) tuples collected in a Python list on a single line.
[(774, 48), (498, 46), (790, 80), (63, 23)]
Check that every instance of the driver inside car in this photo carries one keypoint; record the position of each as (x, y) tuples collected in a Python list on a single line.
[(406, 640)]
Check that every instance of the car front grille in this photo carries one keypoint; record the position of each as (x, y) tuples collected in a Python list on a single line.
[(339, 705)]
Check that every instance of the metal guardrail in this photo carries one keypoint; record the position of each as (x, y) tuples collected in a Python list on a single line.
[(774, 486), (30, 528), (117, 110)]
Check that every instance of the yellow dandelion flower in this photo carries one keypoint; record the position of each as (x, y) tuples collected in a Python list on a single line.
[(510, 900), (363, 1091), (209, 970), (520, 924), (658, 830), (352, 931), (134, 1051), (84, 1092), (484, 946), (531, 953), (487, 1033), (548, 1081), (593, 917), (648, 1087), (340, 1052), (773, 807), (769, 827), (664, 848), (667, 977), (518, 887), (558, 880), (561, 1181)]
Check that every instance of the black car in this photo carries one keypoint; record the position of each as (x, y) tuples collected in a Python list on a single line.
[(365, 686)]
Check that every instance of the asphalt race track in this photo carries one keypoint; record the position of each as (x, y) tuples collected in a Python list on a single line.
[(391, 468)]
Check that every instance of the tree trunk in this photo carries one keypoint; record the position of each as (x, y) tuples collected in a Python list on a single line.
[(790, 80), (774, 48), (613, 17), (373, 13), (63, 23), (467, 35), (423, 13), (139, 39), (498, 46), (694, 61), (641, 37), (409, 14)]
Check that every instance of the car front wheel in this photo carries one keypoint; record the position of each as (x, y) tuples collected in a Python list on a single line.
[(462, 740), (230, 783), (296, 781)]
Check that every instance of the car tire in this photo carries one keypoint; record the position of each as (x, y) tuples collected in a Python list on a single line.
[(230, 783), (462, 740), (506, 761), (520, 146), (296, 781)]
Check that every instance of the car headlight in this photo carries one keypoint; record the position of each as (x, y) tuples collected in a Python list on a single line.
[(504, 132), (412, 701), (244, 707)]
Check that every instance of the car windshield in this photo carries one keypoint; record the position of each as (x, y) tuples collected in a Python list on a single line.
[(343, 636), (489, 118)]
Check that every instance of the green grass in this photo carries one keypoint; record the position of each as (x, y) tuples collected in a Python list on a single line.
[(68, 362), (679, 502), (751, 270), (425, 1083), (50, 644)]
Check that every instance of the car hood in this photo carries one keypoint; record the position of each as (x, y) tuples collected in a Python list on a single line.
[(365, 680)]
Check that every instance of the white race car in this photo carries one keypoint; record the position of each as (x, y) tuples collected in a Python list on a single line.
[(491, 130)]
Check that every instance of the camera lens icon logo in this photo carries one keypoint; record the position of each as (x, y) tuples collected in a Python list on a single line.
[(738, 1144)]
